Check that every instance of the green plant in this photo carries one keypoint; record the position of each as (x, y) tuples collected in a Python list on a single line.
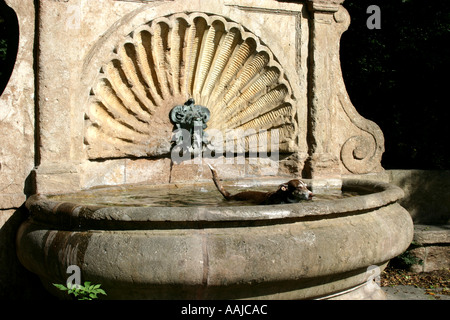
[(409, 259), (3, 49), (86, 292)]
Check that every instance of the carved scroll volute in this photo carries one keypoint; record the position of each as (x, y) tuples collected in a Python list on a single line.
[(361, 153), (341, 141), (363, 147)]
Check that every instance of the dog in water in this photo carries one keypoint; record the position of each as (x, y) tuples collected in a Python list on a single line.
[(292, 191)]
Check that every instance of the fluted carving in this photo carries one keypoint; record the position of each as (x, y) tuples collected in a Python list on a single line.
[(162, 63)]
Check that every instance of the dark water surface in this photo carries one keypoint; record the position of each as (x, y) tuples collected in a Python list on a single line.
[(168, 196)]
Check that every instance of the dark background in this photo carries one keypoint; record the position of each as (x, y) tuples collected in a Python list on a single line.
[(396, 76), (9, 40)]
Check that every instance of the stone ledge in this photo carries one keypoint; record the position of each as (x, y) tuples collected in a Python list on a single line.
[(430, 234), (431, 245)]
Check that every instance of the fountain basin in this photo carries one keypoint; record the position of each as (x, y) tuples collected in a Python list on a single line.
[(309, 250)]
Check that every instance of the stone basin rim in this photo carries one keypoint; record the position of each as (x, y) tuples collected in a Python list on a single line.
[(56, 213)]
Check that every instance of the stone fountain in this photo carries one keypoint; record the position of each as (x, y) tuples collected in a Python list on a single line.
[(109, 76)]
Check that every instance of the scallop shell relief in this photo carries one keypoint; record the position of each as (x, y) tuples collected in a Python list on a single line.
[(164, 62)]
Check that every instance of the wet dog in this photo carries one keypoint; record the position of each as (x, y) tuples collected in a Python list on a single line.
[(292, 191)]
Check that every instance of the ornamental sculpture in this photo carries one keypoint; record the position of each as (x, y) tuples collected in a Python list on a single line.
[(190, 121)]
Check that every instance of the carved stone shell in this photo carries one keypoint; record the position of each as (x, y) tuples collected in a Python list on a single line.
[(164, 62)]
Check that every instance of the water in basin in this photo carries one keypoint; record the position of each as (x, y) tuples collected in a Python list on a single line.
[(172, 195)]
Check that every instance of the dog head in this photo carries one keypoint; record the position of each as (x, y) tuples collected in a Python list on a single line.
[(296, 190)]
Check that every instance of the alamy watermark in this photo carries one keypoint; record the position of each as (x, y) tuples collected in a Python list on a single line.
[(73, 14), (374, 20), (74, 280), (74, 17), (373, 282), (235, 146)]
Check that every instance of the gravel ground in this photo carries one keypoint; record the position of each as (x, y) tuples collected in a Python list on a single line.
[(399, 284)]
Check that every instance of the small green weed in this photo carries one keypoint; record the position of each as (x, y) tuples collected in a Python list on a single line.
[(408, 259), (87, 292)]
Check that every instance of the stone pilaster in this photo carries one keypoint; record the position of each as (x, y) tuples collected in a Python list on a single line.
[(17, 113), (341, 142), (322, 162)]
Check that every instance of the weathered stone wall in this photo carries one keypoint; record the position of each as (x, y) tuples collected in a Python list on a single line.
[(125, 64), (427, 194), (63, 46), (17, 145), (78, 149), (431, 248), (17, 114)]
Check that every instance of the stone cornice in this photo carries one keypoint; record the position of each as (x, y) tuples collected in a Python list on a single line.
[(324, 5)]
